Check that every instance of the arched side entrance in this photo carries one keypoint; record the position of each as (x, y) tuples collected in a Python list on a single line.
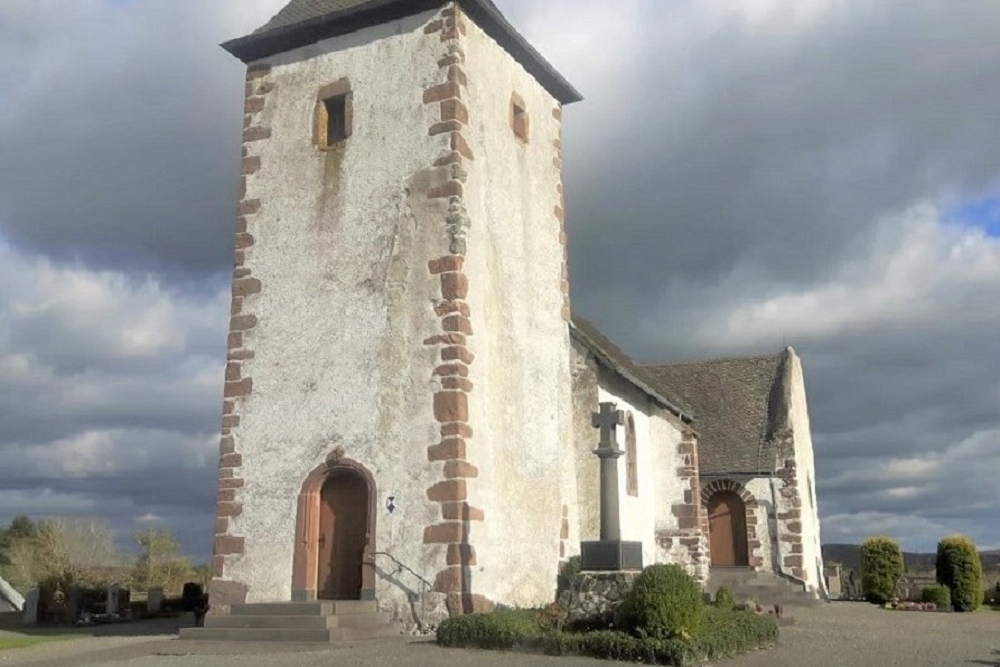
[(732, 524), (335, 533), (727, 530)]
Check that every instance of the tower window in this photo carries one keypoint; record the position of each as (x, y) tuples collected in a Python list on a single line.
[(334, 114), (519, 119), (336, 126)]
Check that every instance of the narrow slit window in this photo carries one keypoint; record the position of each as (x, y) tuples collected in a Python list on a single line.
[(519, 119), (336, 119), (631, 454)]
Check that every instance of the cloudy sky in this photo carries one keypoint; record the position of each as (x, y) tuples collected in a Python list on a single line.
[(819, 173)]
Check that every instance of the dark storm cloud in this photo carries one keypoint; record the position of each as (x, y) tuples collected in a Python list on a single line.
[(120, 139)]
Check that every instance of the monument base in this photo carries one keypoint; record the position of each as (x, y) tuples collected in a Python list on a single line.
[(610, 556)]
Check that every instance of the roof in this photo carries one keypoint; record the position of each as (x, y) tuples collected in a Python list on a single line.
[(740, 403), (10, 596), (614, 359), (303, 22)]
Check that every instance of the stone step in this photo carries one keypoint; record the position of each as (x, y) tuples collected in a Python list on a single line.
[(324, 608), (359, 620), (289, 635)]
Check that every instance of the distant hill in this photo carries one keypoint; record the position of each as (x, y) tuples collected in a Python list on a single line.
[(848, 556)]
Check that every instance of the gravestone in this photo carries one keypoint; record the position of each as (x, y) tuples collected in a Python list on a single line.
[(610, 553), (154, 600), (111, 603), (30, 614)]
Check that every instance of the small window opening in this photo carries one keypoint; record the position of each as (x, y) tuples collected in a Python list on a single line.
[(336, 119), (520, 121)]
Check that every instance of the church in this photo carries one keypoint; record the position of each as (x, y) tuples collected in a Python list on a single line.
[(408, 399)]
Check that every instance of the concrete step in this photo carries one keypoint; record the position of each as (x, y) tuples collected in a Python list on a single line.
[(289, 635), (324, 608), (360, 620)]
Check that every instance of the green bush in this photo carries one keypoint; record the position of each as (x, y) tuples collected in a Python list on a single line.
[(664, 603), (502, 630), (724, 634), (961, 570), (724, 598), (881, 567), (939, 595)]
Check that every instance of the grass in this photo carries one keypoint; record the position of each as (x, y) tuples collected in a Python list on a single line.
[(7, 643)]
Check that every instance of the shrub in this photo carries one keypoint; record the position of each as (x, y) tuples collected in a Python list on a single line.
[(881, 567), (502, 630), (724, 598), (939, 595), (664, 603), (725, 633), (961, 570)]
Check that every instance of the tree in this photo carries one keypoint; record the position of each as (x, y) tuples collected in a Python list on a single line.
[(21, 528), (68, 551), (960, 568), (160, 563), (881, 567)]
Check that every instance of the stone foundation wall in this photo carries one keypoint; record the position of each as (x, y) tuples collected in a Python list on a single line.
[(594, 597)]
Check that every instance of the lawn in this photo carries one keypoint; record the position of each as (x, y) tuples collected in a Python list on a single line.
[(25, 641)]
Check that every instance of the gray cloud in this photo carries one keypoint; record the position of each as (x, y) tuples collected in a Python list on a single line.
[(741, 176)]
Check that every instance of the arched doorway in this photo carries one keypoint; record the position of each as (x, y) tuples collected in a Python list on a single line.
[(335, 533), (727, 529), (343, 535)]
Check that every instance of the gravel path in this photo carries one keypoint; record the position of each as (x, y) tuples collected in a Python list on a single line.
[(829, 636)]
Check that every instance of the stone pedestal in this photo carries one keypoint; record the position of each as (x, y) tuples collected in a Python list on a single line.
[(610, 556), (593, 597), (154, 600)]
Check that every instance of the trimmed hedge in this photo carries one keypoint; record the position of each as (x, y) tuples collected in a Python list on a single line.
[(939, 595), (501, 630), (665, 602), (724, 634), (881, 567), (961, 570)]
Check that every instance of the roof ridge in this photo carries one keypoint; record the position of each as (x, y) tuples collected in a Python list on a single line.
[(715, 360)]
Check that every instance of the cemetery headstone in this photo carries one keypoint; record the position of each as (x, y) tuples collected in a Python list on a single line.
[(30, 616)]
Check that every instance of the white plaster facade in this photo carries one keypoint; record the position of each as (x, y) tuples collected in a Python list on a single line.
[(337, 341)]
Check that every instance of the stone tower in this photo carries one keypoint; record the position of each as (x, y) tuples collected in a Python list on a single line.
[(397, 398)]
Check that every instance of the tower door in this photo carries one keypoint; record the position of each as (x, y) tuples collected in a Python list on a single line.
[(727, 526), (343, 536)]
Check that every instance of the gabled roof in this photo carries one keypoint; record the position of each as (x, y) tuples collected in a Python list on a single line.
[(741, 404), (303, 22), (614, 359), (10, 596)]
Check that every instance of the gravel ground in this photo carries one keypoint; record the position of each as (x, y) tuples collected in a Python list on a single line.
[(829, 636)]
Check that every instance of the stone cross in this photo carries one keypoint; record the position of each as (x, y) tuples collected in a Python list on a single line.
[(608, 420)]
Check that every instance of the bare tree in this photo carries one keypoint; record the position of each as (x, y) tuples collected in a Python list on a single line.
[(161, 563), (68, 550)]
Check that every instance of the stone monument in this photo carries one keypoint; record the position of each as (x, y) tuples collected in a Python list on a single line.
[(610, 553), (609, 565)]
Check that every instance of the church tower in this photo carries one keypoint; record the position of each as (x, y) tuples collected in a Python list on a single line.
[(398, 392)]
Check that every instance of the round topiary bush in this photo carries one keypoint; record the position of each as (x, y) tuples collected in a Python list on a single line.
[(881, 567), (665, 602), (724, 598), (961, 570), (939, 595)]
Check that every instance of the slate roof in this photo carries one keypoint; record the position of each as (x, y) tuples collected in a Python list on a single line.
[(614, 359), (740, 404), (10, 596), (303, 22)]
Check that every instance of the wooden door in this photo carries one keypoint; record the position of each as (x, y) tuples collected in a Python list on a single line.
[(343, 535), (727, 529)]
